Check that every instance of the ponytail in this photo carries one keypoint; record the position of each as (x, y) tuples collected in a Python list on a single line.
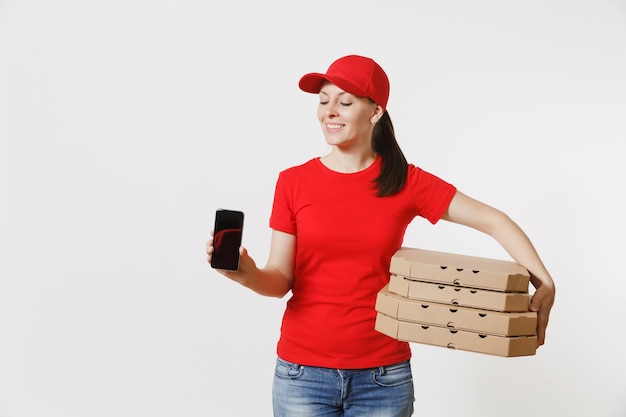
[(394, 165)]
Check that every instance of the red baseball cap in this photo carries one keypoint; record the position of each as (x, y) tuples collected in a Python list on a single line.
[(355, 74)]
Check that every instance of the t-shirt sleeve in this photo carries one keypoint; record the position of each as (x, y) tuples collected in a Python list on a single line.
[(282, 217), (431, 194)]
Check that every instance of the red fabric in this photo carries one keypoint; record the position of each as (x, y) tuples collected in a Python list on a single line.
[(355, 74), (346, 236)]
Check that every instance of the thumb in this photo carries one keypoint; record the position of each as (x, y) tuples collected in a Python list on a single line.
[(535, 301), (246, 263)]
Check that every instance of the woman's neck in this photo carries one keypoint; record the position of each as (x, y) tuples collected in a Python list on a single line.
[(348, 162)]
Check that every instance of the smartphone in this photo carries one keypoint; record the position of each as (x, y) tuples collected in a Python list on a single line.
[(227, 235)]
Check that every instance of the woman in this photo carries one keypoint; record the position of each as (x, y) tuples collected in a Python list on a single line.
[(336, 222)]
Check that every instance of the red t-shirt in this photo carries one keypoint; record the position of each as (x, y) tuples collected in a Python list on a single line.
[(345, 238)]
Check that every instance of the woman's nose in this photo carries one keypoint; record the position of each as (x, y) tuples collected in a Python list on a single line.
[(331, 109)]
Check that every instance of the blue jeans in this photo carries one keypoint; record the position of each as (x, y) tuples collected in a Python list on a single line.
[(306, 391)]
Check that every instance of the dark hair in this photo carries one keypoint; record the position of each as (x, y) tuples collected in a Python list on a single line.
[(394, 165)]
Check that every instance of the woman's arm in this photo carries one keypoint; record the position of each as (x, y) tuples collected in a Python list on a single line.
[(472, 213), (276, 278)]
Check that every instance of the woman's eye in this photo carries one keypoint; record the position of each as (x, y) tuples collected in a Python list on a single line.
[(346, 104), (322, 103)]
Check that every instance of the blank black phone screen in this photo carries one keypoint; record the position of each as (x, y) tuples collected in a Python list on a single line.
[(227, 235)]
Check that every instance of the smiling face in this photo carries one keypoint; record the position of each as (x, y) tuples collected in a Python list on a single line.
[(347, 120)]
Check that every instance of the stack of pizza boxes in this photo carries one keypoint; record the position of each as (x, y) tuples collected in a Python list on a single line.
[(459, 302)]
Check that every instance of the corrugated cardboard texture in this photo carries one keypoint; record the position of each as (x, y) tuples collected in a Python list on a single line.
[(465, 297), (461, 270), (456, 339), (455, 317)]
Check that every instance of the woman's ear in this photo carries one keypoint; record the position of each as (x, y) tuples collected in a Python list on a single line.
[(378, 113)]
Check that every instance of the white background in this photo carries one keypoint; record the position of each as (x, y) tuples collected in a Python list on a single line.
[(125, 124)]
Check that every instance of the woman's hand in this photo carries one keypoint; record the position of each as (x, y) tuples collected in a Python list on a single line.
[(246, 272), (541, 302), (276, 278)]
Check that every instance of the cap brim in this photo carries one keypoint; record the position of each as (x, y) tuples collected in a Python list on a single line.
[(312, 83)]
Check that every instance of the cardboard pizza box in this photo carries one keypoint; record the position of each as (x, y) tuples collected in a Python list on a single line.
[(461, 270), (465, 297), (455, 317), (456, 339)]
